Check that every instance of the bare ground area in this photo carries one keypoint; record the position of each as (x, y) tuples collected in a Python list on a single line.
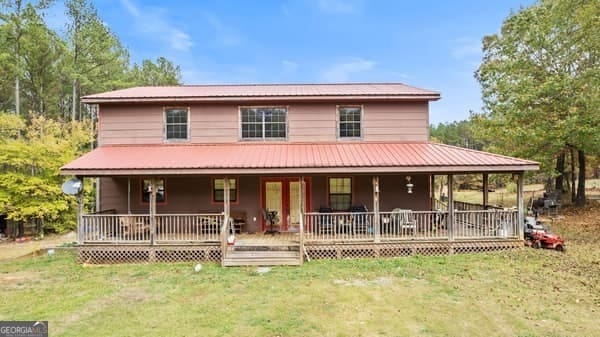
[(11, 249)]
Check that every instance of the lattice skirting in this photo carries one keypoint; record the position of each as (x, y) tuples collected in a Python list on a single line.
[(388, 249), (147, 254), (103, 254)]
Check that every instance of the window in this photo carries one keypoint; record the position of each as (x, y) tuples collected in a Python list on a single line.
[(176, 124), (350, 122), (160, 190), (263, 123), (340, 193), (219, 190)]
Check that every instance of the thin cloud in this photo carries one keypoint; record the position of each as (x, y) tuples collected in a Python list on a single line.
[(465, 48), (344, 71), (151, 22), (338, 6)]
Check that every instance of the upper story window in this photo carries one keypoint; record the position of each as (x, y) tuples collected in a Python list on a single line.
[(261, 123), (176, 124), (350, 122)]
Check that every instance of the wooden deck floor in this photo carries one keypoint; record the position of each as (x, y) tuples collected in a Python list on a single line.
[(280, 238)]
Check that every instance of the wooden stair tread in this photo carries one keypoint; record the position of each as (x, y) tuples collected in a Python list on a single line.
[(287, 262), (262, 258), (265, 243), (269, 254)]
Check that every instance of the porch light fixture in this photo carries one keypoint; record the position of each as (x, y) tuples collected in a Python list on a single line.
[(409, 185)]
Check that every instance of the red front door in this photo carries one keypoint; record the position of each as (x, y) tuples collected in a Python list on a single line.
[(282, 195)]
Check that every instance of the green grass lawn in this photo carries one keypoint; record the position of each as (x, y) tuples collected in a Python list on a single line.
[(520, 293)]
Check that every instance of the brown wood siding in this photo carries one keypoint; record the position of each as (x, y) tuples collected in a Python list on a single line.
[(307, 122), (184, 195), (130, 124), (193, 195), (394, 194), (312, 122), (212, 123), (406, 121), (113, 194)]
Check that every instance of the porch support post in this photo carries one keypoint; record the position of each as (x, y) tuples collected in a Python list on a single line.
[(129, 195), (485, 190), (152, 211), (80, 229), (432, 192), (302, 211), (98, 195), (226, 201), (450, 208), (520, 210), (376, 223)]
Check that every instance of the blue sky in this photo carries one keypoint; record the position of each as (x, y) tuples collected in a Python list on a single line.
[(430, 44)]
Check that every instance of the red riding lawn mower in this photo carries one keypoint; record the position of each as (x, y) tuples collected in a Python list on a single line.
[(538, 235)]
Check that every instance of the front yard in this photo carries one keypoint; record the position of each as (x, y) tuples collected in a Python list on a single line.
[(521, 293)]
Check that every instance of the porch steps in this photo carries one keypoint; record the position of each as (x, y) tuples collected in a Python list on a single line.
[(255, 255)]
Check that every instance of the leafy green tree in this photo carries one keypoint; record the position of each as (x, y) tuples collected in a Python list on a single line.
[(97, 58), (12, 15), (163, 72), (540, 84), (42, 63), (457, 133), (30, 184)]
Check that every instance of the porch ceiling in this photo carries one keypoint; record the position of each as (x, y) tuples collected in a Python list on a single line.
[(287, 158)]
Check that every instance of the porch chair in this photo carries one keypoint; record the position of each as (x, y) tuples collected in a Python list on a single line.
[(325, 222), (404, 221), (361, 223), (135, 228)]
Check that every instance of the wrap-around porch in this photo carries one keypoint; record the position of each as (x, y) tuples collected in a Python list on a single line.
[(341, 199), (314, 229)]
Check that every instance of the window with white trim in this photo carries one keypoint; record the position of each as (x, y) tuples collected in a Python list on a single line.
[(262, 123), (176, 124), (350, 122)]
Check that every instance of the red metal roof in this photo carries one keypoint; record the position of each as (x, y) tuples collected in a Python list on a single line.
[(251, 158), (264, 91)]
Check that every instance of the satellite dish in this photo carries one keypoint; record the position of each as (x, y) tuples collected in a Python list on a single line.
[(72, 186)]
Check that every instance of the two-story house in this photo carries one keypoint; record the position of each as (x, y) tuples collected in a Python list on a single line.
[(328, 170)]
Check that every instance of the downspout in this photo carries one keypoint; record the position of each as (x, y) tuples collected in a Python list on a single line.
[(128, 195)]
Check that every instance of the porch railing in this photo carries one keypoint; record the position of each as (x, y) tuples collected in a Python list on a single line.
[(170, 228), (462, 206), (408, 224), (188, 227), (338, 226), (486, 224), (411, 225)]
